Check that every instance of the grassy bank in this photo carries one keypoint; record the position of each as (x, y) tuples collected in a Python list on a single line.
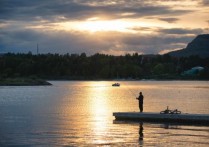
[(23, 82)]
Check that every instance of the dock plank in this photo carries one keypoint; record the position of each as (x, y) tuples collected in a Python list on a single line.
[(157, 117)]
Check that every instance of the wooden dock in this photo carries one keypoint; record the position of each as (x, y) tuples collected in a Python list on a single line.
[(157, 117)]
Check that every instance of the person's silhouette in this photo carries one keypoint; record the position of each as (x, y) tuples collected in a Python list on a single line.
[(141, 99), (141, 135)]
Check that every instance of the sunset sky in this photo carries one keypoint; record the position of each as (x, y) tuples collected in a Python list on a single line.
[(112, 27)]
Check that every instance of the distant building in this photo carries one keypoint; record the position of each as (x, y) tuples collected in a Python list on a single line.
[(193, 71)]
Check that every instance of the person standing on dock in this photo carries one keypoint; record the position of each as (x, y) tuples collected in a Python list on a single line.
[(140, 99)]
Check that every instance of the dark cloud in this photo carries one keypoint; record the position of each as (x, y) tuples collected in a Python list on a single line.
[(70, 10), (172, 31), (205, 2), (169, 20), (142, 28), (38, 9), (155, 40), (14, 38), (24, 23), (54, 42), (184, 31), (154, 43)]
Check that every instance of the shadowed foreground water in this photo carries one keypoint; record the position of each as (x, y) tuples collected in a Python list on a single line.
[(80, 113)]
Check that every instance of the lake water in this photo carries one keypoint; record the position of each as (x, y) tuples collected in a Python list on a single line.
[(77, 113)]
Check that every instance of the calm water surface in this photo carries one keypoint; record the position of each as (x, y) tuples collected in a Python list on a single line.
[(76, 113)]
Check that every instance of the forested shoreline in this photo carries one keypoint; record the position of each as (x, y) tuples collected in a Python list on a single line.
[(100, 66)]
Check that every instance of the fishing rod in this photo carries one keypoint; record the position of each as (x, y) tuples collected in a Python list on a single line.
[(130, 90)]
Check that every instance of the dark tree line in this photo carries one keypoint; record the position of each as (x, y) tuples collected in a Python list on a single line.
[(99, 66)]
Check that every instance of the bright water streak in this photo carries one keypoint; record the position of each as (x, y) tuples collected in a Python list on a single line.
[(80, 113)]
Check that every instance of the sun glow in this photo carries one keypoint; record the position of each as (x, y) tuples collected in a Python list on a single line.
[(98, 25), (95, 24)]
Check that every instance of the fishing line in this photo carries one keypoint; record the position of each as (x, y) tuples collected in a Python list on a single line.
[(130, 90)]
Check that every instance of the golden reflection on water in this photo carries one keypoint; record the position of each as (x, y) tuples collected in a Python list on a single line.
[(98, 106), (98, 97), (88, 110), (80, 114)]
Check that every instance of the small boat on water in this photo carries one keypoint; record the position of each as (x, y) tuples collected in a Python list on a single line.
[(116, 84)]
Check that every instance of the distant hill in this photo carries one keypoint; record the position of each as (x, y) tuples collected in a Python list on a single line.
[(199, 46)]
